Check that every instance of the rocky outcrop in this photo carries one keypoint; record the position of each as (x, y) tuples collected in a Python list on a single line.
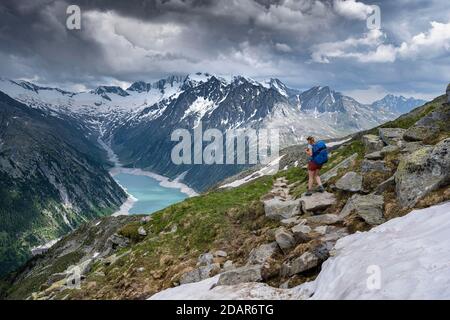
[(422, 172), (351, 181), (368, 207)]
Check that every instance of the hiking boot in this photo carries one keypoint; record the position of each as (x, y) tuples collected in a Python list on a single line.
[(308, 193), (321, 189)]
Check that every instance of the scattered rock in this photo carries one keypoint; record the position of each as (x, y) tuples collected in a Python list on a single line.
[(260, 254), (389, 149), (422, 172), (220, 253), (410, 147), (333, 234), (146, 219), (278, 210), (142, 231), (374, 156), (318, 201), (200, 273), (301, 233), (205, 259), (249, 273), (305, 262), (228, 265), (371, 166), (368, 207), (391, 136), (284, 239), (372, 143), (351, 181), (323, 219), (292, 221)]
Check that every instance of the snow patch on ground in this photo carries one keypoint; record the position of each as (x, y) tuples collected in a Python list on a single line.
[(411, 253)]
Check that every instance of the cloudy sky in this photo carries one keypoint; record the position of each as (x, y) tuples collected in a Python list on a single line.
[(302, 42)]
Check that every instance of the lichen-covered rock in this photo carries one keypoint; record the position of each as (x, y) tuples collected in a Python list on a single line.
[(303, 263), (391, 136), (318, 201), (389, 149), (372, 143), (368, 207), (374, 166), (278, 210), (374, 156), (420, 133), (351, 181), (262, 253), (249, 273), (422, 172)]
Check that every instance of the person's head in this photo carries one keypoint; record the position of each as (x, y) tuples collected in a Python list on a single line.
[(310, 140)]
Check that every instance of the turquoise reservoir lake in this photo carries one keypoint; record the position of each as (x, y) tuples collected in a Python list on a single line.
[(149, 195)]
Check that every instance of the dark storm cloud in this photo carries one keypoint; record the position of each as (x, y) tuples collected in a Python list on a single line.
[(136, 39)]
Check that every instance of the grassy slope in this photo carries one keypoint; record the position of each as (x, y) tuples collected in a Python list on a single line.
[(221, 219)]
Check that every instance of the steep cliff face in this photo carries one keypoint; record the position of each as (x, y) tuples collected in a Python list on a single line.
[(52, 179), (261, 233)]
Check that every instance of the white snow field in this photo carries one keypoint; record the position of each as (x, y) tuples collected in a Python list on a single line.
[(404, 258)]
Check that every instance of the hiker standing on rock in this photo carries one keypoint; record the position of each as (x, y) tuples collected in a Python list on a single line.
[(318, 156)]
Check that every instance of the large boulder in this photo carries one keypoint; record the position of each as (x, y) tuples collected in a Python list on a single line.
[(278, 209), (285, 239), (422, 172), (262, 253), (351, 181), (374, 166), (318, 201), (372, 143), (368, 207), (428, 127), (248, 273), (410, 147), (303, 263), (391, 136), (420, 133)]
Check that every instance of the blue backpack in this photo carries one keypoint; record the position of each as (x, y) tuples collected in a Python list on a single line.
[(320, 153)]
